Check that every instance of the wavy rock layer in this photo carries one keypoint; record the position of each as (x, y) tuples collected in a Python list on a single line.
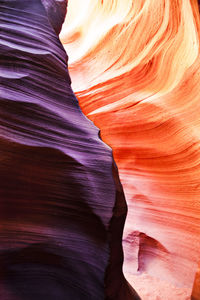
[(62, 208), (142, 61)]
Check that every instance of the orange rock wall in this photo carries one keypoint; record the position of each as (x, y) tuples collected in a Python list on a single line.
[(135, 70)]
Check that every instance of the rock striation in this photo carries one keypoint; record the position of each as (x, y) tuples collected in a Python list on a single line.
[(62, 207)]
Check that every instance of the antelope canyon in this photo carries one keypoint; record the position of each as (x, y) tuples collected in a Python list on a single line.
[(127, 87), (135, 71)]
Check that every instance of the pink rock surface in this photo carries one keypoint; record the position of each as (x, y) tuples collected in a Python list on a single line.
[(151, 288)]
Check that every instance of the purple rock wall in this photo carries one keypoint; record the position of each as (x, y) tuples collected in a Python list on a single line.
[(62, 208)]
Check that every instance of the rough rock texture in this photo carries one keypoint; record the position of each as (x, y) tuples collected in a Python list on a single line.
[(62, 208), (142, 61)]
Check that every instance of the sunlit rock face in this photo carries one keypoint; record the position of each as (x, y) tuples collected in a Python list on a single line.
[(135, 70), (62, 208)]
